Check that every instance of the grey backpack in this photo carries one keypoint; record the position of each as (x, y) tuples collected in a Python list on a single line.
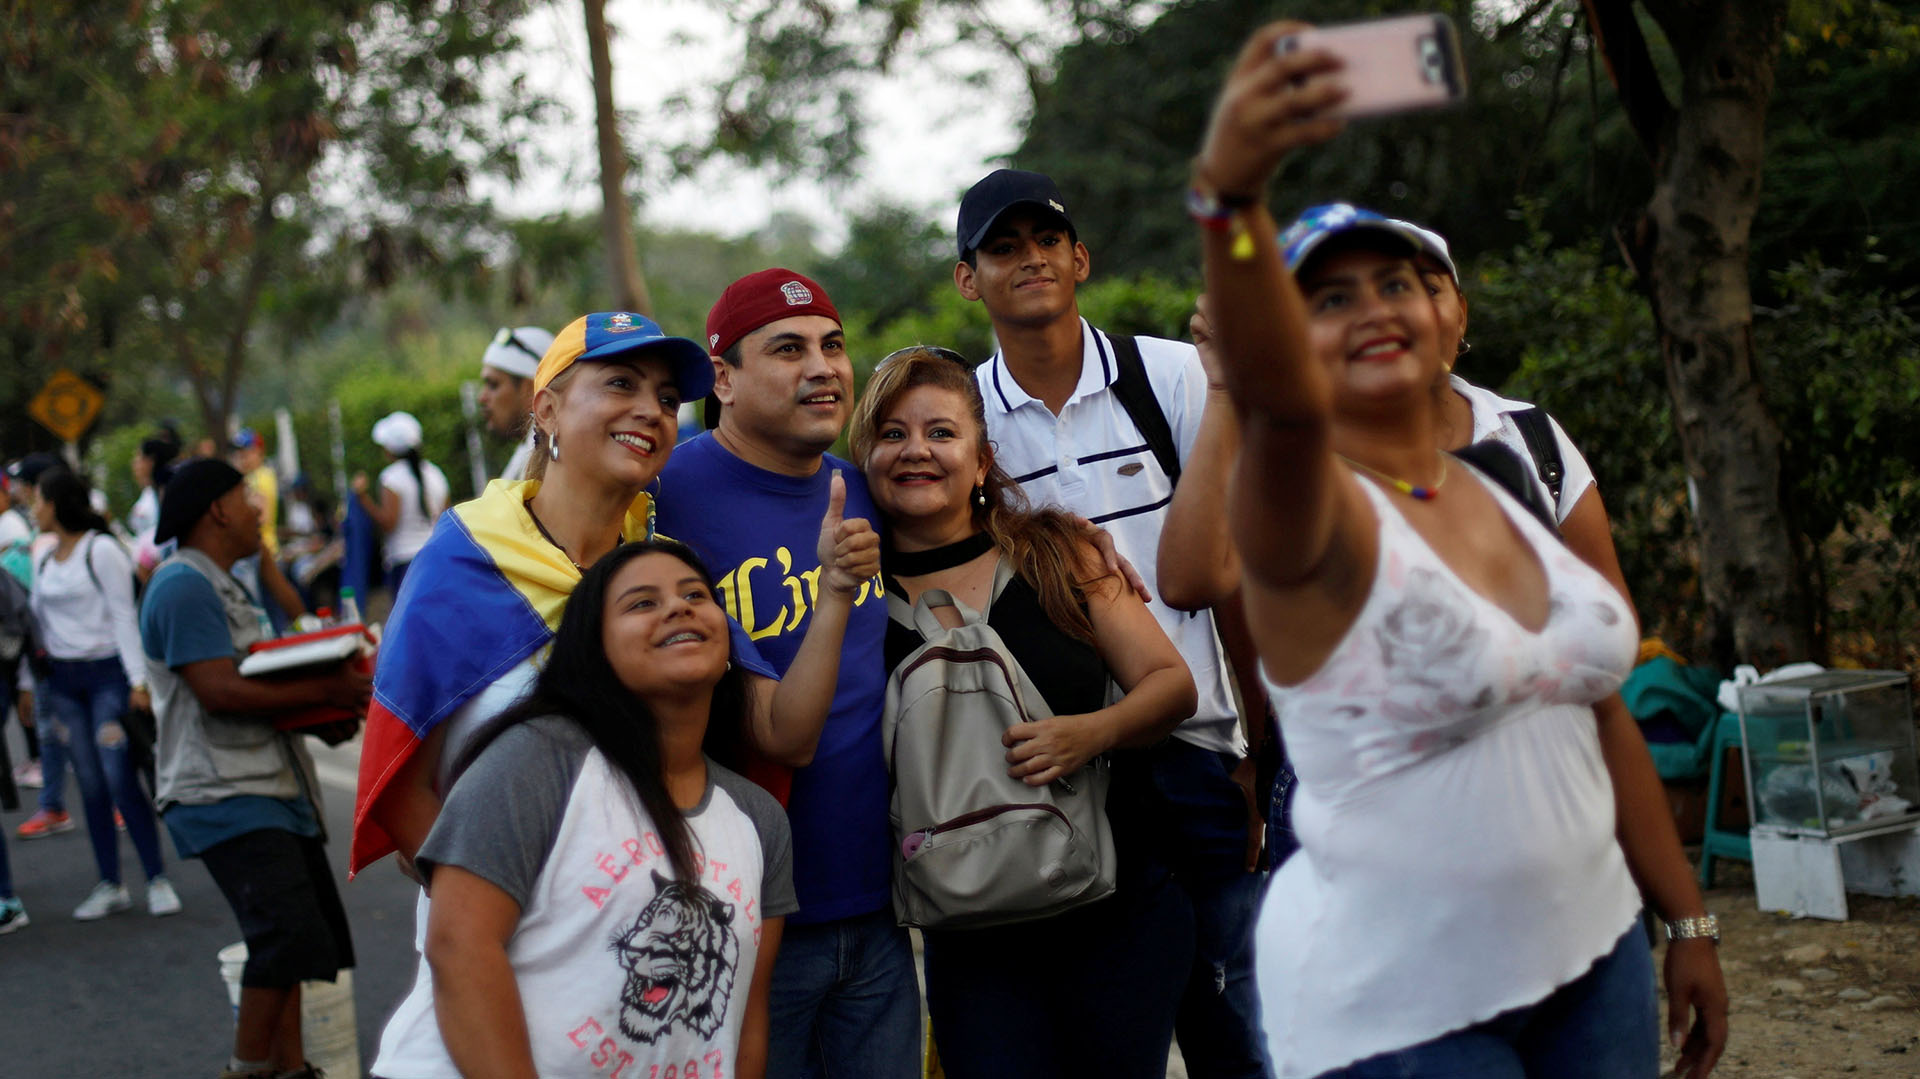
[(976, 846)]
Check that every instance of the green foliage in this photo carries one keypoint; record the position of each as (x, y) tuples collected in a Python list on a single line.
[(1840, 373), (791, 99), (1579, 342), (1123, 114), (1843, 378), (164, 162)]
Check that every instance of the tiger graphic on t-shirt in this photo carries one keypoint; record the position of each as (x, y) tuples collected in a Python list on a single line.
[(680, 955)]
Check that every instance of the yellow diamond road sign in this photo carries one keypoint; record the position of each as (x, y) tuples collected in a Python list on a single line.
[(67, 405)]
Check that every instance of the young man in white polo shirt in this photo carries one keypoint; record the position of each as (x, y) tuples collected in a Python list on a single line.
[(1058, 413)]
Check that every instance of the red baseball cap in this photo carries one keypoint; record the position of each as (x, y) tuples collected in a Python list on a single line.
[(760, 298)]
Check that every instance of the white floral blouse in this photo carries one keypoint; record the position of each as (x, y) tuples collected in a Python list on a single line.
[(1455, 816)]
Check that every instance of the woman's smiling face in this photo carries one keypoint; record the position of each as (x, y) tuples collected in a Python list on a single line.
[(927, 457), (615, 420), (1372, 322), (663, 630)]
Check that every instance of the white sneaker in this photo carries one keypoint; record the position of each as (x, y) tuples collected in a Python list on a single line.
[(162, 900), (106, 898)]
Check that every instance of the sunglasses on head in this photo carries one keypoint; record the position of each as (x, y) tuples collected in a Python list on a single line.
[(505, 337), (935, 351)]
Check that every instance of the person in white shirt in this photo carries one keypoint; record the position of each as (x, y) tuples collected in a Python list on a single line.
[(413, 493), (546, 953), (83, 598), (506, 390), (1059, 415), (1463, 902)]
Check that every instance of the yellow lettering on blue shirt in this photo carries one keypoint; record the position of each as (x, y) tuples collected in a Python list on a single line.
[(796, 594)]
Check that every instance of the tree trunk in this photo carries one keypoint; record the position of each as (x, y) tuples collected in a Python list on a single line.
[(1690, 250), (616, 223)]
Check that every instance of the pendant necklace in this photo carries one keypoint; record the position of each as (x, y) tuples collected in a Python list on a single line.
[(1420, 494), (556, 543)]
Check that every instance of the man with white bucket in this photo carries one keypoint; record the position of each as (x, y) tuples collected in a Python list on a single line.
[(234, 791)]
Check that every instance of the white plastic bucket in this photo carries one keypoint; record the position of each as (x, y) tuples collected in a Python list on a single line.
[(327, 1028)]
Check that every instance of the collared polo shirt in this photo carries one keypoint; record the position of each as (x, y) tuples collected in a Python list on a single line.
[(1092, 460)]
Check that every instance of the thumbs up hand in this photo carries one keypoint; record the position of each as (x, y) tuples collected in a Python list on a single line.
[(849, 550)]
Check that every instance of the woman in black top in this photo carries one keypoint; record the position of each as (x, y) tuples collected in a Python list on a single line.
[(1091, 991)]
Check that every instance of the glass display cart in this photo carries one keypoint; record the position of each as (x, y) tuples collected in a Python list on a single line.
[(1833, 781)]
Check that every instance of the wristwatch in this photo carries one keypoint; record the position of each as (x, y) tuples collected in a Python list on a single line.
[(1706, 925)]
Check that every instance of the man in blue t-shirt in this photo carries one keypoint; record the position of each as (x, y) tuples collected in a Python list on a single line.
[(234, 791), (748, 496)]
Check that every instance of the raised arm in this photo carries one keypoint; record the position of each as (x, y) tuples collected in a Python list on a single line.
[(1286, 502), (1198, 566)]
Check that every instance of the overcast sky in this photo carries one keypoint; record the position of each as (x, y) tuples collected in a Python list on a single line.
[(929, 136)]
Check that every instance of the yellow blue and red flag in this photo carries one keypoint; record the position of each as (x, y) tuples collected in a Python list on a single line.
[(483, 595)]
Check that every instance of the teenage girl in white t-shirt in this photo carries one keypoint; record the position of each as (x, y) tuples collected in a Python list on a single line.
[(606, 898)]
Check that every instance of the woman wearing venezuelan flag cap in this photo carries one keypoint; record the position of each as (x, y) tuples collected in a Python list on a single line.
[(481, 600)]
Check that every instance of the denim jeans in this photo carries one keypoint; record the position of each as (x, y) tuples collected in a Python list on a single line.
[(1218, 1025), (85, 701), (1602, 1025), (845, 1003), (53, 754)]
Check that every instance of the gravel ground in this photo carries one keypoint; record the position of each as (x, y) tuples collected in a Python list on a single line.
[(1812, 998)]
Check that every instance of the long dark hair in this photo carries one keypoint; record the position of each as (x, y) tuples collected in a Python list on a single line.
[(581, 686), (412, 458), (1046, 547), (67, 494)]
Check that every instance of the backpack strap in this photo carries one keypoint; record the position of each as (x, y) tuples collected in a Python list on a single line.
[(928, 624), (1504, 467), (86, 556), (1137, 397), (1537, 430)]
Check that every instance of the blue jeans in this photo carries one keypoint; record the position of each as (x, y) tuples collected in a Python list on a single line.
[(1218, 1025), (845, 1003), (1602, 1025), (53, 754), (84, 702)]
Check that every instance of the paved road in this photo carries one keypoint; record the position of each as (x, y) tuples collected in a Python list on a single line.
[(133, 995)]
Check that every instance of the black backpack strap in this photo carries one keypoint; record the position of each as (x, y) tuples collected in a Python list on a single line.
[(1504, 467), (1538, 432), (1136, 396), (87, 557)]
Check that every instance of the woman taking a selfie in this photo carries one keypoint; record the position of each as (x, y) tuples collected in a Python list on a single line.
[(1460, 904), (1001, 1009), (605, 896)]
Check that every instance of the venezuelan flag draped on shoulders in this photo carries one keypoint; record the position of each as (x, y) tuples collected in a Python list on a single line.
[(483, 595)]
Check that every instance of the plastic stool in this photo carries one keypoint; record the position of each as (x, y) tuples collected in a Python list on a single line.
[(1717, 842)]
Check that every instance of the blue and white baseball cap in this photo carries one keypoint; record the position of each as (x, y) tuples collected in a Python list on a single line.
[(1318, 224)]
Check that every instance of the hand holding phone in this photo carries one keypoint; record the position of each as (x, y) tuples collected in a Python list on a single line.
[(1390, 65)]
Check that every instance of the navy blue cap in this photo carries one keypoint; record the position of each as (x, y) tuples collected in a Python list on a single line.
[(1000, 191)]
